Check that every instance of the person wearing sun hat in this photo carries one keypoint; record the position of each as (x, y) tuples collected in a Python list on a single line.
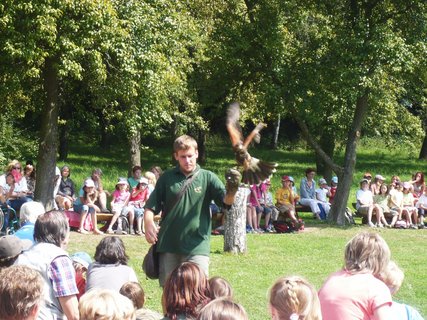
[(322, 194), (81, 261), (120, 205), (376, 185), (285, 201)]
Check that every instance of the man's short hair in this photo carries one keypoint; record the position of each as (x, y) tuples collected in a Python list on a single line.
[(30, 211), (184, 142), (21, 291), (51, 227)]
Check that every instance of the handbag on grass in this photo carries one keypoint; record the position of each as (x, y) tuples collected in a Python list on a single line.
[(150, 265)]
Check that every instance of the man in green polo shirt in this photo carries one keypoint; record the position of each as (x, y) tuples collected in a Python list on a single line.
[(185, 230)]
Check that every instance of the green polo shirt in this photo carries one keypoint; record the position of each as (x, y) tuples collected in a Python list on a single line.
[(186, 229)]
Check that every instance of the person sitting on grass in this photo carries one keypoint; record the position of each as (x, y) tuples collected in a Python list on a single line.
[(81, 261), (365, 203), (138, 198), (134, 292), (308, 194), (409, 211), (223, 309), (355, 292), (120, 206), (85, 204), (393, 277), (292, 298), (110, 269), (21, 292), (220, 288)]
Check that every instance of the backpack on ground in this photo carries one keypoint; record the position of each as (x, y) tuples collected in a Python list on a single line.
[(122, 225), (348, 215)]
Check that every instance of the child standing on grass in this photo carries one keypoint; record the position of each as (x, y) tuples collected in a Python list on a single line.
[(294, 298), (119, 204)]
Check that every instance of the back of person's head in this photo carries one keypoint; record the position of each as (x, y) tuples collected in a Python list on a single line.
[(10, 248), (30, 211), (366, 252), (292, 298), (134, 292), (219, 287), (222, 309), (21, 292), (51, 227), (393, 277), (104, 304), (111, 250), (146, 314), (184, 142), (186, 290)]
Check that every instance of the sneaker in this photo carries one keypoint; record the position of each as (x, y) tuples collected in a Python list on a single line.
[(421, 226), (259, 230), (110, 231), (269, 230), (249, 229), (132, 232), (380, 225), (371, 224), (413, 226)]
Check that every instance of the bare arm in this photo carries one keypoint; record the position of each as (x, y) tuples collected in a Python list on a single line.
[(70, 306), (151, 229), (384, 313)]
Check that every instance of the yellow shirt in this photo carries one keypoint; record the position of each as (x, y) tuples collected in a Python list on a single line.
[(283, 196)]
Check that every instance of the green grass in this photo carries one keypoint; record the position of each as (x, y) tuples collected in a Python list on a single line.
[(314, 253)]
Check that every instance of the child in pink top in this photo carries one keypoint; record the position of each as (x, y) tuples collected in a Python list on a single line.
[(119, 204), (355, 292)]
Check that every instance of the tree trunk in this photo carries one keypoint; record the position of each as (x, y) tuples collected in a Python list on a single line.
[(105, 136), (201, 143), (64, 131), (46, 159), (275, 140), (345, 180), (235, 224), (134, 151), (327, 143), (423, 152)]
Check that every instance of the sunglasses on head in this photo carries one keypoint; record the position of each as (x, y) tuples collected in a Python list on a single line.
[(367, 177)]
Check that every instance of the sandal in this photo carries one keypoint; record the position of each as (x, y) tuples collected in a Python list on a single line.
[(97, 231), (139, 233), (109, 231), (82, 231)]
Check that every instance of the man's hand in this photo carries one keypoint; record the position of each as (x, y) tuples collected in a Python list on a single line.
[(232, 178), (151, 228)]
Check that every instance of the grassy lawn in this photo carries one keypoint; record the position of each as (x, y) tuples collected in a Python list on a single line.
[(313, 253)]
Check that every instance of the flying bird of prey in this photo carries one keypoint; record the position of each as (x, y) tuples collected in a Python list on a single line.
[(254, 170)]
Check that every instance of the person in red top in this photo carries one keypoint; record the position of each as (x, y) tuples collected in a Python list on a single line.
[(333, 189), (137, 199)]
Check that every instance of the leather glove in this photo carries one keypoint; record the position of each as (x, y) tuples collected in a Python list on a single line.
[(232, 178)]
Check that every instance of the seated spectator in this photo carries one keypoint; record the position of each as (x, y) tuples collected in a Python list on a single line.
[(308, 194), (418, 184), (220, 288), (49, 258), (251, 217), (151, 177), (185, 301), (409, 211), (81, 261), (269, 203), (30, 176), (422, 208), (101, 196), (137, 200), (110, 269), (105, 304), (395, 201), (393, 277), (368, 176), (21, 292), (322, 194), (285, 201), (333, 189), (136, 176), (356, 290), (376, 185), (7, 194), (10, 249), (16, 188), (66, 192), (85, 204), (365, 203), (157, 171), (223, 309), (27, 218), (257, 199), (134, 292), (120, 206), (382, 200), (294, 298)]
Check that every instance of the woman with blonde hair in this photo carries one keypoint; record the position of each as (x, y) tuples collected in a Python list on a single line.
[(105, 304), (223, 309), (355, 292), (294, 298)]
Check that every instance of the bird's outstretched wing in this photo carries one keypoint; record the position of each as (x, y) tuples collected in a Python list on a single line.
[(254, 170)]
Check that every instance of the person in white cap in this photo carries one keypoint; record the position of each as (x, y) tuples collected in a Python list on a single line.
[(322, 194), (85, 204), (376, 185), (120, 205)]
